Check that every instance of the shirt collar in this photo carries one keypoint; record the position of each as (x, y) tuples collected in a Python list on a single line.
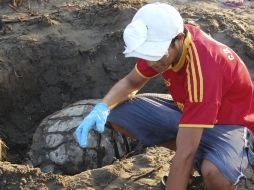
[(182, 59)]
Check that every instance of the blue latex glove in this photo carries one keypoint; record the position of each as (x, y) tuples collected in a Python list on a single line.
[(95, 120)]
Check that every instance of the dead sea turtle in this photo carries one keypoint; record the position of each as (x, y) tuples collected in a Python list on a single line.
[(54, 148)]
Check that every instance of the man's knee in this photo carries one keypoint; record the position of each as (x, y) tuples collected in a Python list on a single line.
[(213, 178), (120, 130)]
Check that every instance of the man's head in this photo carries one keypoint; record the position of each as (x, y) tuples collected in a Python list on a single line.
[(151, 32)]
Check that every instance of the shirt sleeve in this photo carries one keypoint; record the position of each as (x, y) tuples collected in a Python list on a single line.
[(144, 70), (203, 115), (204, 86)]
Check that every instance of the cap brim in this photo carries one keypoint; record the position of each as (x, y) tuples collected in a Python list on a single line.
[(145, 57), (151, 51)]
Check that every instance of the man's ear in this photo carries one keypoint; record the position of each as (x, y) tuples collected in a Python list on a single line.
[(181, 36)]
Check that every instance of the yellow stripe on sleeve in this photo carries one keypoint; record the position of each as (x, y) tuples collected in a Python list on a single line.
[(196, 125), (193, 76), (189, 83), (201, 85)]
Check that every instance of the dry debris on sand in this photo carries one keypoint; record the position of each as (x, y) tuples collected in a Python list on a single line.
[(53, 53)]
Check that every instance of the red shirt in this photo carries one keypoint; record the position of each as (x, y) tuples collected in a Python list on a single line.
[(210, 83)]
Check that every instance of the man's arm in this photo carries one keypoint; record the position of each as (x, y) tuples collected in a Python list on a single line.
[(187, 143), (96, 119), (125, 89)]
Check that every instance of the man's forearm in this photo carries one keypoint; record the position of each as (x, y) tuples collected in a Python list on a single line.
[(125, 89), (120, 92), (180, 173), (187, 143)]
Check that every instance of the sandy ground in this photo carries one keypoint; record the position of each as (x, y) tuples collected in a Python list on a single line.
[(38, 34), (143, 171)]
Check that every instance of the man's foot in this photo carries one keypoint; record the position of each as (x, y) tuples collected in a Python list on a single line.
[(196, 182), (164, 180)]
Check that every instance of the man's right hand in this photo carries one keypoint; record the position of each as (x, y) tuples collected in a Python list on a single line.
[(95, 120)]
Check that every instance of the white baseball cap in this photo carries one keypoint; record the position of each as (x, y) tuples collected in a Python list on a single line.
[(151, 31)]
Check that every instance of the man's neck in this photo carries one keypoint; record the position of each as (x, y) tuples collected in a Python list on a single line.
[(179, 50)]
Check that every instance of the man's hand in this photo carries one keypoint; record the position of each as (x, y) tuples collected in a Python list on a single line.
[(95, 120)]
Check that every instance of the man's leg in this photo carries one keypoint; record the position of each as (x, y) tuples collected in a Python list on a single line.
[(222, 157), (213, 178), (152, 119), (121, 130), (170, 144)]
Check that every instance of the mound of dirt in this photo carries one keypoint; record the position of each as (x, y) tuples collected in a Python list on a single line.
[(142, 171)]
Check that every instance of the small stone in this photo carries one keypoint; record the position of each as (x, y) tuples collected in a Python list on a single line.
[(215, 24), (23, 180), (48, 168)]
